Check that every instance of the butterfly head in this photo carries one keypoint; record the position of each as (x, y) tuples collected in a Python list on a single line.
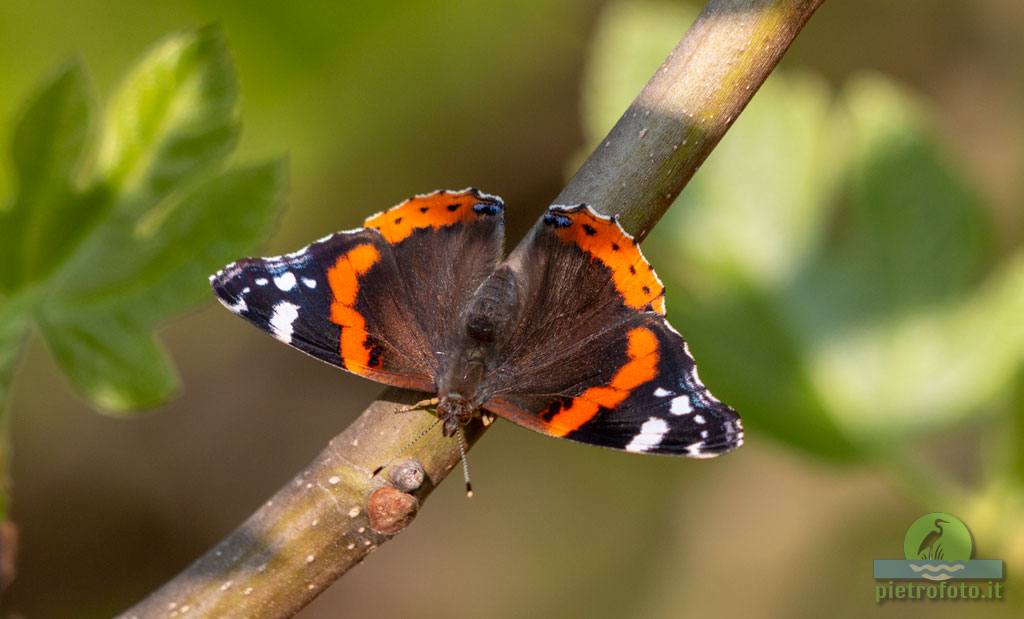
[(455, 411)]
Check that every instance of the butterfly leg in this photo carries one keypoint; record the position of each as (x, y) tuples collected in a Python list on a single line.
[(419, 406)]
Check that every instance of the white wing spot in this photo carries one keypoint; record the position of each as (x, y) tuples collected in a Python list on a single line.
[(262, 281), (285, 282), (237, 307), (681, 406), (694, 450), (650, 435), (310, 283), (283, 319), (699, 418), (662, 393)]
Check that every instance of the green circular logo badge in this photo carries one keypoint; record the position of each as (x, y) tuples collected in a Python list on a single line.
[(938, 537)]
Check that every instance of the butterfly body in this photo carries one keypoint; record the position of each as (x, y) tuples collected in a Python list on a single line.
[(482, 332), (566, 336)]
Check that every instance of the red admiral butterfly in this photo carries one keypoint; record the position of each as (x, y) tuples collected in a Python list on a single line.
[(566, 336)]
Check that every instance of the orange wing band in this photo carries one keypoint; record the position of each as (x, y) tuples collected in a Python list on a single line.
[(343, 279), (642, 367)]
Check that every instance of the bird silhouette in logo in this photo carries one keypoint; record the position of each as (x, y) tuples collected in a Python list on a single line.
[(931, 545)]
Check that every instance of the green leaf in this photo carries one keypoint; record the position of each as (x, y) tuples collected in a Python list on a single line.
[(174, 117), (902, 333), (888, 381), (163, 213), (133, 277), (755, 211), (915, 233), (48, 146), (751, 357), (112, 360), (159, 264)]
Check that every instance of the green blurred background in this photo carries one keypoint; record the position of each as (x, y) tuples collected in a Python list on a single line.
[(847, 267)]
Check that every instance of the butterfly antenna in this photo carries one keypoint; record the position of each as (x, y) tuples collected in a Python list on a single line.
[(465, 464), (421, 434)]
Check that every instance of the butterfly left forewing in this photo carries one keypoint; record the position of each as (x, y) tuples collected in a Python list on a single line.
[(378, 301)]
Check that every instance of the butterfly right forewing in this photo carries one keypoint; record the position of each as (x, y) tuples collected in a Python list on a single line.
[(593, 358)]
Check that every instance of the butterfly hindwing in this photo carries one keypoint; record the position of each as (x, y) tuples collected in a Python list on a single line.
[(356, 299), (594, 359)]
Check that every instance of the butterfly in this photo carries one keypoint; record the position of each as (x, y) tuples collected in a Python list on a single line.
[(566, 336)]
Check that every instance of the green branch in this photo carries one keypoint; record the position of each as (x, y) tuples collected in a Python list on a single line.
[(369, 482)]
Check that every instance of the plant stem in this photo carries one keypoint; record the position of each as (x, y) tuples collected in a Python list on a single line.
[(365, 486)]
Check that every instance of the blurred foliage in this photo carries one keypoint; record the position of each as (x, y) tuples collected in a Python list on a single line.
[(372, 101), (115, 226), (876, 278), (833, 268), (777, 274)]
